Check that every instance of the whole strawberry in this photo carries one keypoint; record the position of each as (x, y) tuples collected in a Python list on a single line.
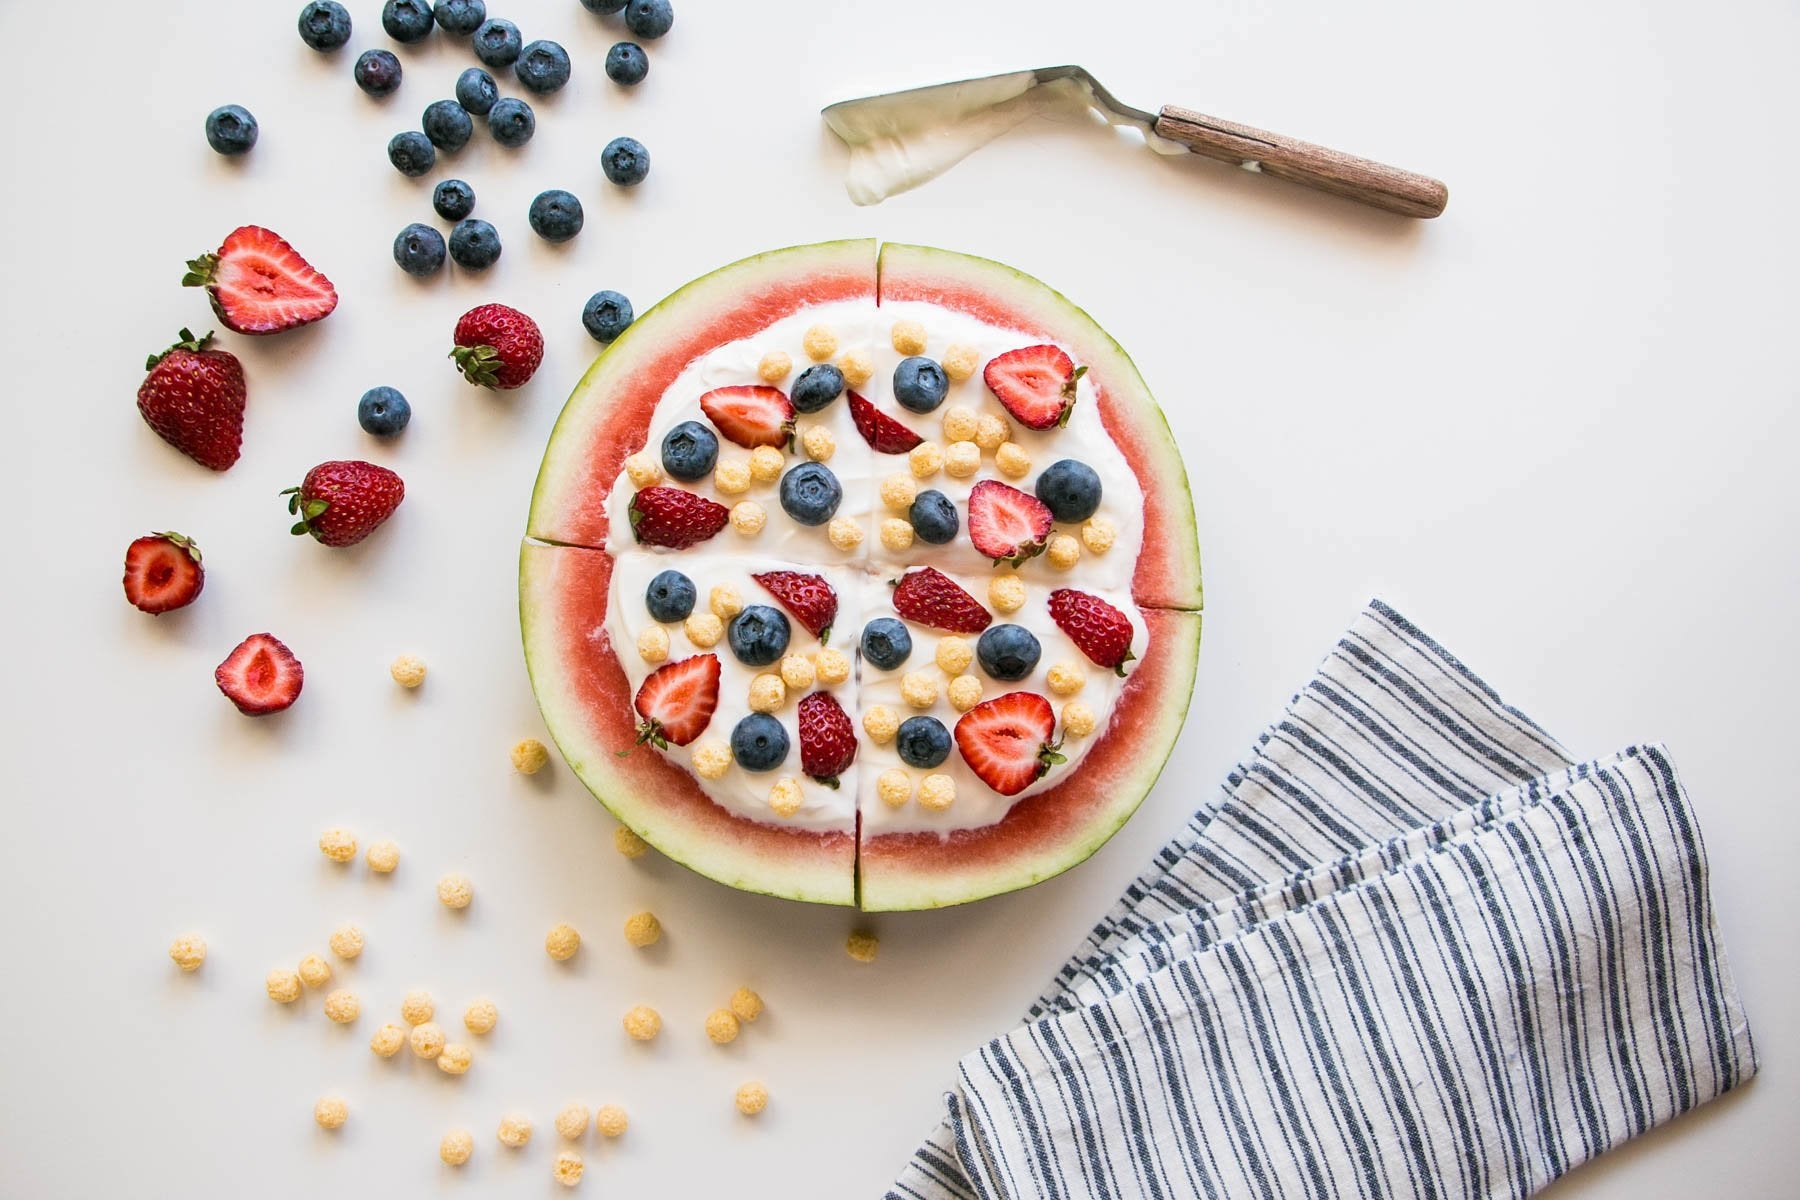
[(497, 347), (341, 503), (1099, 630), (827, 738), (194, 399), (666, 516)]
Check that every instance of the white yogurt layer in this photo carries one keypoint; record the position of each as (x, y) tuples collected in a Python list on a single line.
[(860, 576)]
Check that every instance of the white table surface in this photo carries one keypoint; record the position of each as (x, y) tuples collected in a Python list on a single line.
[(1557, 428)]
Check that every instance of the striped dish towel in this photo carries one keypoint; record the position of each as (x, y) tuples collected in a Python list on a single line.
[(1412, 950)]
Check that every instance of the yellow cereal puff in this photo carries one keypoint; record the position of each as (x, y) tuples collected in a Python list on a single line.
[(774, 366), (767, 694), (188, 951), (959, 362), (1066, 678), (1012, 460), (798, 672), (610, 1121), (785, 797), (894, 786), (880, 724), (529, 756), (342, 1006), (643, 1023), (752, 1098), (514, 1130), (897, 533), (818, 443), (937, 792), (908, 337), (407, 671), (567, 1168), (862, 945), (844, 533), (481, 1016), (383, 857), (315, 972), (831, 666), (331, 1112), (416, 1007), (926, 459), (427, 1039), (387, 1040), (1077, 719), (962, 459), (820, 343), (573, 1121), (643, 929), (748, 518), (992, 431), (629, 843), (725, 601), (456, 1147), (965, 692), (704, 629), (954, 654), (644, 470), (711, 760), (653, 644), (455, 891), (898, 491), (455, 1059), (339, 845), (562, 942), (1098, 534), (960, 424), (283, 985), (858, 367), (1006, 592), (347, 941), (746, 1005), (1063, 552), (766, 463), (732, 476), (722, 1026), (919, 689)]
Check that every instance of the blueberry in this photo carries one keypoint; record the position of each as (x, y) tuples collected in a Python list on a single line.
[(555, 215), (412, 153), (474, 244), (377, 72), (477, 91), (934, 517), (1070, 490), (817, 387), (543, 67), (606, 315), (497, 42), (419, 249), (759, 743), (922, 742), (1008, 652), (447, 124), (605, 8), (920, 384), (324, 25), (460, 16), (512, 122), (758, 635), (810, 493), (649, 19), (886, 643), (406, 20), (625, 161), (453, 199), (670, 597), (689, 451), (627, 63), (231, 129), (383, 411)]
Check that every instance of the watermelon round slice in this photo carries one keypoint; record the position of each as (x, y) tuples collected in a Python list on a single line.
[(585, 689)]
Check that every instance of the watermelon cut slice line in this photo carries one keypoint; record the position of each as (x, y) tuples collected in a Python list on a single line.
[(582, 687)]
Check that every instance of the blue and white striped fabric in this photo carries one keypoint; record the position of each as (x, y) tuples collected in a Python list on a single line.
[(1412, 951)]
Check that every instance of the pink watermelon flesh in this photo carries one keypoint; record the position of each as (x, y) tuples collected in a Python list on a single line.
[(581, 686)]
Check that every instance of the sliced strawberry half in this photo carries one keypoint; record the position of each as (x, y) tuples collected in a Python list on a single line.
[(666, 516), (261, 676), (811, 600), (1007, 525), (827, 738), (1006, 741), (163, 572), (1036, 384), (676, 701), (884, 434), (259, 284), (751, 416), (1099, 630), (927, 596)]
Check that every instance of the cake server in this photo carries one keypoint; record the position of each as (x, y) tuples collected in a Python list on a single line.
[(899, 140)]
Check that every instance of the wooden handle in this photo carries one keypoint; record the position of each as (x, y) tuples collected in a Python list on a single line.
[(1358, 179)]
